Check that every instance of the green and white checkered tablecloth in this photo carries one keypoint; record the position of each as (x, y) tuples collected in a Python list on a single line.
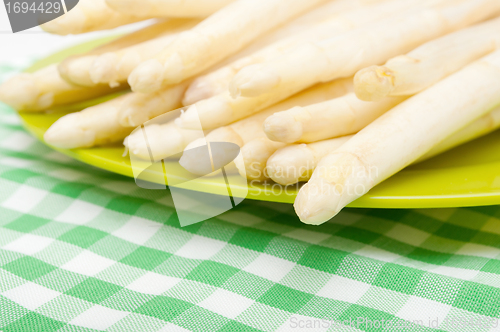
[(82, 249)]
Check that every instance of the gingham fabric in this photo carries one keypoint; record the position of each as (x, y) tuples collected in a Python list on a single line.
[(83, 249)]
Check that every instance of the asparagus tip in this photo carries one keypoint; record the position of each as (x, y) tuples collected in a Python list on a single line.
[(253, 81), (66, 133), (76, 70), (291, 164), (373, 83), (103, 69), (147, 77), (283, 127), (163, 141), (313, 203), (20, 92)]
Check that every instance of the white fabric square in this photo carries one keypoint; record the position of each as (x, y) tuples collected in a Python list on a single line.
[(98, 317), (79, 213), (66, 174), (270, 267), (495, 326), (88, 263), (226, 303), (31, 295), (420, 309), (200, 247), (153, 283), (407, 234), (344, 289), (307, 236), (24, 199), (29, 244), (15, 162), (18, 141), (137, 230), (472, 249), (455, 272), (376, 253), (11, 119)]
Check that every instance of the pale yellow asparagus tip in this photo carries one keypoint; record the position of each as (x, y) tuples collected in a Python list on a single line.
[(147, 77), (75, 70), (291, 164), (20, 92), (65, 133), (130, 114), (338, 179), (189, 118), (283, 127), (130, 117), (373, 83), (312, 199), (252, 81), (297, 162), (103, 69), (162, 143), (136, 144)]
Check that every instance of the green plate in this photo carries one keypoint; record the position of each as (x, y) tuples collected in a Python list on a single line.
[(465, 176)]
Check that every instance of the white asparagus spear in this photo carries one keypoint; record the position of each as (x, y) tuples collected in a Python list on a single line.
[(335, 16), (337, 117), (378, 40), (113, 120), (398, 138), (411, 73), (346, 54), (222, 110), (164, 140), (113, 62), (217, 37), (255, 154), (295, 163), (246, 130), (89, 15), (480, 127), (43, 89), (138, 108), (168, 8), (96, 125)]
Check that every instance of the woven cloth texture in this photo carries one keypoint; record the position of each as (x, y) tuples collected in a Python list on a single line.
[(82, 249)]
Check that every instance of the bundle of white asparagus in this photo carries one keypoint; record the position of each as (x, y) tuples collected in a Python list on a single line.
[(340, 94)]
